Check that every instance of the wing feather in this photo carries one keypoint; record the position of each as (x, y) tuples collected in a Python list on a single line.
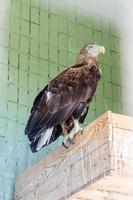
[(67, 90)]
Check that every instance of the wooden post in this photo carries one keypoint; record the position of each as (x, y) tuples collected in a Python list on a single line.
[(98, 166)]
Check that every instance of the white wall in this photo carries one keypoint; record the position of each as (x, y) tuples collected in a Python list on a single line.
[(125, 23)]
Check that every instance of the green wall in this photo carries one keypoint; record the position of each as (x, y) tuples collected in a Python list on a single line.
[(39, 40)]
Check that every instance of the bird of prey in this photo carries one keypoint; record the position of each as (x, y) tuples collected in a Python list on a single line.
[(64, 102)]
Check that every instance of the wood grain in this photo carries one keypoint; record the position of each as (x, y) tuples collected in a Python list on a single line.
[(112, 187), (100, 151)]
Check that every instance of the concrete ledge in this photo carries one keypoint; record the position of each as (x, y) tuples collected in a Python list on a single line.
[(99, 165)]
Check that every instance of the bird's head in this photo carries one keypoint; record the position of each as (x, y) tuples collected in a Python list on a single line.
[(90, 50), (94, 49)]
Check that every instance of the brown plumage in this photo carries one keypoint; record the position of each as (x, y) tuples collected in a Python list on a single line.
[(65, 100)]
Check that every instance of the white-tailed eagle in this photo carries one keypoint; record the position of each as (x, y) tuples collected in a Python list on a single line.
[(64, 102)]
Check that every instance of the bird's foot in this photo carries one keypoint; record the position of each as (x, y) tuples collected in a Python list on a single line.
[(69, 139), (73, 132)]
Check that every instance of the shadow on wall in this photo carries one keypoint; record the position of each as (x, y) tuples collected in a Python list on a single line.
[(43, 41)]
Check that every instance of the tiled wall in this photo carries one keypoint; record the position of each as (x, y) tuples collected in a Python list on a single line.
[(37, 41)]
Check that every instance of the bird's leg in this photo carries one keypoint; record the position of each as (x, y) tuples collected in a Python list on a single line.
[(74, 131), (65, 136)]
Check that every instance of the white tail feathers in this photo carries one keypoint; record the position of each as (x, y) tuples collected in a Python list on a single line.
[(44, 139)]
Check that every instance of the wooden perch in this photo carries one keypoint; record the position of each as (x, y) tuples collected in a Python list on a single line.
[(98, 166)]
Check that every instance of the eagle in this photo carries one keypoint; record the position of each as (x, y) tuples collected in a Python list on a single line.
[(64, 102)]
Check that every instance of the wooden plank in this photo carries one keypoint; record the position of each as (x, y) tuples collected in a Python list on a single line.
[(119, 183), (91, 148), (123, 151), (122, 121), (104, 148), (110, 187)]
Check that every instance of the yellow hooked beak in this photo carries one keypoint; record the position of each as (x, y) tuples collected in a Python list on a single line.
[(102, 50)]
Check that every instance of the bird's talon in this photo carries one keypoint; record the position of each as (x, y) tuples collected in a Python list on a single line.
[(64, 145), (71, 140), (82, 132)]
